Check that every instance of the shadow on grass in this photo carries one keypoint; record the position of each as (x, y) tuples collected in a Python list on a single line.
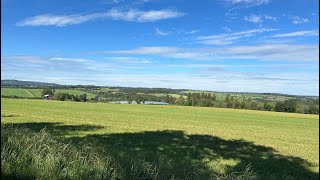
[(56, 128), (11, 115), (178, 153), (14, 177)]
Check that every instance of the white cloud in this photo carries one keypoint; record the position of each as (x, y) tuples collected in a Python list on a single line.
[(69, 59), (258, 18), (125, 59), (270, 17), (143, 16), (64, 70), (146, 50), (229, 38), (117, 1), (253, 18), (299, 20), (262, 52), (246, 3), (298, 33), (191, 32), (226, 29), (126, 15), (277, 52), (161, 33), (57, 20)]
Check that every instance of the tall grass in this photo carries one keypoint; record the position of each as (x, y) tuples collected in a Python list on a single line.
[(39, 155), (29, 155)]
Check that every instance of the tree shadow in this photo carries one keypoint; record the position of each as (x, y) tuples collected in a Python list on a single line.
[(11, 115), (177, 153), (57, 128)]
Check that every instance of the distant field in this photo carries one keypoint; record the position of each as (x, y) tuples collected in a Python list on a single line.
[(108, 90), (222, 95), (277, 145), (20, 92), (163, 94)]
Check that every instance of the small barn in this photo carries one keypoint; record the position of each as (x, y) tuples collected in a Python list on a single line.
[(46, 97)]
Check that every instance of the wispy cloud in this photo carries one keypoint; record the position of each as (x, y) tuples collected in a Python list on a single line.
[(262, 52), (57, 20), (143, 16), (258, 18), (161, 32), (249, 2), (226, 29), (145, 50), (65, 70), (298, 33), (125, 59), (191, 32), (299, 20), (246, 3), (115, 14), (253, 18), (229, 38)]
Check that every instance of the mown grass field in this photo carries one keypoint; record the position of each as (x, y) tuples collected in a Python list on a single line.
[(182, 139), (32, 93)]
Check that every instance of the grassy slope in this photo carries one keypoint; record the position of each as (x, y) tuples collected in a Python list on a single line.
[(20, 92), (290, 135), (76, 92)]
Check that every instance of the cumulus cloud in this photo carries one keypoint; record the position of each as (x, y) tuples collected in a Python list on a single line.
[(133, 15)]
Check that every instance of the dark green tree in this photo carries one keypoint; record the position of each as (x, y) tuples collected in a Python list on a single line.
[(47, 91)]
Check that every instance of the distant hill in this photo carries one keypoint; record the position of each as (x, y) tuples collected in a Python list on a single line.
[(34, 84), (26, 83)]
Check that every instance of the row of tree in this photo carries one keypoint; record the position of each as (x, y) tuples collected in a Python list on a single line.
[(209, 100), (61, 96), (195, 99)]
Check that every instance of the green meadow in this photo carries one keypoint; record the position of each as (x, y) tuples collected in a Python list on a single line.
[(178, 142), (36, 93)]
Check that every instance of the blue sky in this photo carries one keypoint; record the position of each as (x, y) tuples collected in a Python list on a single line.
[(219, 45)]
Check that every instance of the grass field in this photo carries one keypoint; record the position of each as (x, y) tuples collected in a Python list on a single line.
[(164, 94), (30, 93), (21, 92), (182, 139)]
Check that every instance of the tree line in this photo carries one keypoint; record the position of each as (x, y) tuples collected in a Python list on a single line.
[(293, 105), (210, 100), (62, 96)]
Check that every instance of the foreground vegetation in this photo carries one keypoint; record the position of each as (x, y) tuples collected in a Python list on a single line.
[(169, 141), (28, 155)]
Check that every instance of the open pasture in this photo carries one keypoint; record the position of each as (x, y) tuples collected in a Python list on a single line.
[(36, 93), (181, 139)]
